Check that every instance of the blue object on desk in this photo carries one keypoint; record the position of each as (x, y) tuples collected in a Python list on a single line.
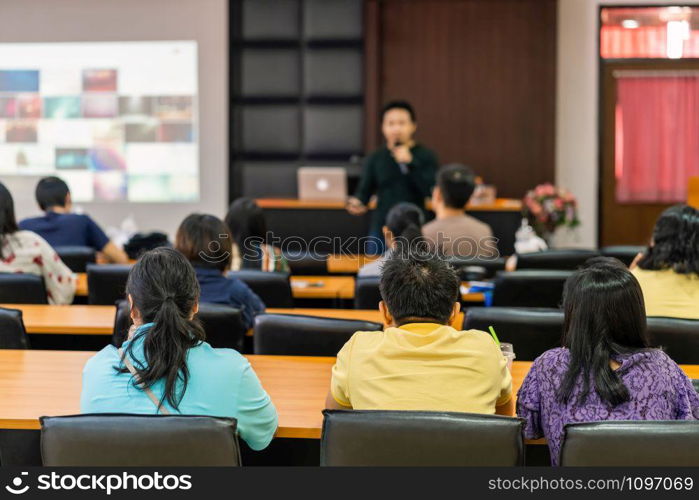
[(486, 289)]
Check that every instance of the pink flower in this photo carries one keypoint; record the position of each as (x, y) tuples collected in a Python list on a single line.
[(558, 204), (549, 190)]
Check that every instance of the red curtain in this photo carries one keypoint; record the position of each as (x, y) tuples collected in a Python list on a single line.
[(657, 138), (617, 42)]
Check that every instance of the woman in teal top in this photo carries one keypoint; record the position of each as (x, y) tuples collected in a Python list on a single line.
[(167, 350)]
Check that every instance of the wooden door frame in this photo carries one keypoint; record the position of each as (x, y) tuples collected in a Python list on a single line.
[(606, 202)]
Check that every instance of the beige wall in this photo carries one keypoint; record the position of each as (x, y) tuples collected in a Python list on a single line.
[(205, 21), (577, 109)]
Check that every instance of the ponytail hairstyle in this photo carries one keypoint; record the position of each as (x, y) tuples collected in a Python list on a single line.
[(405, 221), (164, 289), (604, 316), (8, 222)]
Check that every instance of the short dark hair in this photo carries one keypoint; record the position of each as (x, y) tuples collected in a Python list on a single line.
[(405, 105), (601, 260), (457, 183), (418, 286), (675, 242), (51, 192), (205, 241)]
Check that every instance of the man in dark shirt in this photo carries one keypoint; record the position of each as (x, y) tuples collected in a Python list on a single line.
[(400, 171), (59, 227)]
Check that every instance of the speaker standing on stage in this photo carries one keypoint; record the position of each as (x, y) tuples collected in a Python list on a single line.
[(402, 171)]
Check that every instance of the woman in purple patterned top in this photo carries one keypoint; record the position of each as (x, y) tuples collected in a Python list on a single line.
[(605, 371)]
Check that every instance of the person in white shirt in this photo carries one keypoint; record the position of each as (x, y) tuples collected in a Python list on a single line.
[(27, 252)]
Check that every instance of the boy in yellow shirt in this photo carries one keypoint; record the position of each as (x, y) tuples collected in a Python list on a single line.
[(419, 362)]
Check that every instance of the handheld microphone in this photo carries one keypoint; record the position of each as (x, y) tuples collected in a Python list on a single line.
[(403, 167)]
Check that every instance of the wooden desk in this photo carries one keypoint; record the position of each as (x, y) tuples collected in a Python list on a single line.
[(499, 205), (36, 383), (348, 264), (70, 320), (81, 285), (322, 225), (99, 320), (326, 287), (322, 287), (359, 314)]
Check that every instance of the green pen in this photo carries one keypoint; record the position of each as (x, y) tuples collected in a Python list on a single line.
[(495, 337)]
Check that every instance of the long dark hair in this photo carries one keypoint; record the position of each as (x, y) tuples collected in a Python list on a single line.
[(164, 289), (8, 222), (248, 225), (405, 221), (675, 242), (604, 316), (205, 241)]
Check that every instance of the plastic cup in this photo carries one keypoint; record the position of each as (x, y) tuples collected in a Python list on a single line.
[(508, 352)]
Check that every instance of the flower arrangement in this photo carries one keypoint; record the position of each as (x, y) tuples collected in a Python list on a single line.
[(547, 207)]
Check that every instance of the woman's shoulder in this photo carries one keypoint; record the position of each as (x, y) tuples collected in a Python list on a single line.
[(107, 357), (217, 358), (656, 358), (24, 236), (553, 358)]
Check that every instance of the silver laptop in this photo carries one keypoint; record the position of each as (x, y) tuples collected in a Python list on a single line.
[(322, 183)]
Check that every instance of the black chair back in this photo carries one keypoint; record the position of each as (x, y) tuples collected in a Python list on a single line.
[(12, 332), (679, 338), (366, 292), (22, 288), (222, 324), (273, 288), (625, 253), (306, 262), (420, 438), (529, 288), (76, 258), (531, 331), (120, 440), (106, 283), (462, 266), (569, 259), (305, 335), (632, 444)]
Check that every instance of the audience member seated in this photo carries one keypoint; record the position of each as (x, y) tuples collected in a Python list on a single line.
[(166, 367), (60, 227), (453, 232), (252, 249), (605, 369), (402, 231), (419, 362), (27, 252), (206, 242), (668, 270)]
